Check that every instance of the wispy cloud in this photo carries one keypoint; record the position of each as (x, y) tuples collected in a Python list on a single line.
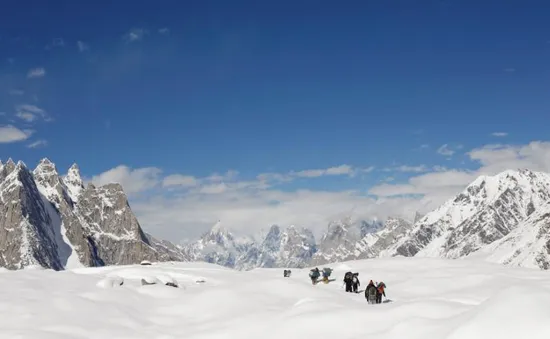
[(133, 180), (135, 34), (499, 134), (414, 169), (27, 116), (509, 70), (16, 92), (36, 73), (82, 46), (10, 133), (180, 180), (31, 113), (338, 170), (164, 30), (38, 143), (57, 42), (445, 150)]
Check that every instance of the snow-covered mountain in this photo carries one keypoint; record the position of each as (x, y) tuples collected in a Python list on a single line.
[(528, 245), (505, 217), (510, 204), (340, 241), (291, 247), (55, 222), (218, 246)]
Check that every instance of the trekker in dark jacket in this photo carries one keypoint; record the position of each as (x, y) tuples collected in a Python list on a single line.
[(348, 280), (355, 282)]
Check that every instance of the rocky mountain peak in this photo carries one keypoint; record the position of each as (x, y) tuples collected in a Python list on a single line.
[(45, 166), (73, 174), (9, 166), (219, 235), (41, 225), (74, 182)]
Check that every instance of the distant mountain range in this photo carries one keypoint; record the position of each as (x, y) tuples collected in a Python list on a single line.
[(55, 222)]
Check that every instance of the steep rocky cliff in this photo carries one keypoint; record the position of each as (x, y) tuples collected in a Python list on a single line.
[(55, 222)]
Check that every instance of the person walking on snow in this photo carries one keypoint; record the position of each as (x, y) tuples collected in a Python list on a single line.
[(314, 275), (355, 282), (380, 289), (348, 280)]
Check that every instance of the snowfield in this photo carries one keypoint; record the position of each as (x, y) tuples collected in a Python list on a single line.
[(426, 298)]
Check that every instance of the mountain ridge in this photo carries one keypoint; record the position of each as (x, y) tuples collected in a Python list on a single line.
[(57, 222)]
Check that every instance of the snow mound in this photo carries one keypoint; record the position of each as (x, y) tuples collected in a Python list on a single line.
[(110, 282), (511, 313)]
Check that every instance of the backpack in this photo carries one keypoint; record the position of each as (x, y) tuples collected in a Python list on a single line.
[(348, 276), (355, 279)]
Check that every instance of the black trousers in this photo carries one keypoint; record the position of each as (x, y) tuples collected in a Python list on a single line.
[(355, 287), (378, 298), (348, 287)]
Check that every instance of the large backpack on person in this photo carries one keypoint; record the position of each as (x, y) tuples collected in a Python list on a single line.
[(348, 276), (370, 294)]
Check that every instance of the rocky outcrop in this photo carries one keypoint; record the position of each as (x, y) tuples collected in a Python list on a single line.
[(56, 223), (26, 235)]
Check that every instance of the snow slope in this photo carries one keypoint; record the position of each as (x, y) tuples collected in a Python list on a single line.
[(427, 298)]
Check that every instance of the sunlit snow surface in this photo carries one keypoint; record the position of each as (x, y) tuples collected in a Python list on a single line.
[(427, 299)]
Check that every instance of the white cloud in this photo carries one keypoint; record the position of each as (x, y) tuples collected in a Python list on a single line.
[(38, 143), (36, 72), (135, 34), (164, 30), (28, 117), (10, 133), (246, 212), (337, 170), (30, 113), (243, 204), (82, 46), (180, 180), (436, 187), (417, 169), (445, 150), (499, 134), (132, 180), (414, 169)]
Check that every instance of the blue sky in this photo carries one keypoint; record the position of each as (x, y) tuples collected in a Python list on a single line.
[(381, 93)]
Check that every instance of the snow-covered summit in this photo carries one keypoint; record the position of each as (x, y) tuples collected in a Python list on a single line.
[(485, 211), (74, 182)]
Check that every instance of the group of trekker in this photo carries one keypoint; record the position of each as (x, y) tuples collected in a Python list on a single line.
[(315, 274), (373, 292)]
